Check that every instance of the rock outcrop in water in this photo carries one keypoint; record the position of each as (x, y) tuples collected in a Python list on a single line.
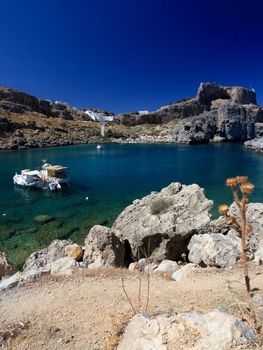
[(255, 144)]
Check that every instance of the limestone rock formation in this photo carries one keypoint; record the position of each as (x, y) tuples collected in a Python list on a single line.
[(64, 266), (167, 266), (103, 248), (207, 92), (74, 251), (184, 272), (214, 330), (229, 121), (198, 129), (38, 261), (214, 249), (161, 224), (255, 144)]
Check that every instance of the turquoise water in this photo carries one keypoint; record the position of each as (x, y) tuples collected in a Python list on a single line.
[(111, 178)]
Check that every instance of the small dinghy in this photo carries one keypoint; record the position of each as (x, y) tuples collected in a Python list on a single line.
[(99, 147)]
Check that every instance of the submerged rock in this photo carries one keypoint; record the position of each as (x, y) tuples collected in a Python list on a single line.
[(163, 231), (103, 248), (214, 330), (214, 250), (43, 219)]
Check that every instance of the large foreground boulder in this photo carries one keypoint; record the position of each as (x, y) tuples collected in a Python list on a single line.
[(161, 224), (103, 248), (214, 250), (214, 330), (6, 267)]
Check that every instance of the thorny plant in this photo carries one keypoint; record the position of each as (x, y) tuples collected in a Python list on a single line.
[(240, 184), (250, 311), (139, 307)]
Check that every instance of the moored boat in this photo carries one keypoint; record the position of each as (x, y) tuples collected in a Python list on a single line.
[(29, 178), (49, 177)]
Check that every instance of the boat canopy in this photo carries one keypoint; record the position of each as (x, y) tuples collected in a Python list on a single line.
[(32, 173), (55, 167), (56, 171)]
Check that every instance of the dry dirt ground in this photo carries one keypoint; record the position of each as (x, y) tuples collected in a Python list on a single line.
[(85, 312)]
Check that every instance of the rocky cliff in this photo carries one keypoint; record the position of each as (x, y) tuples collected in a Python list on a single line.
[(26, 121), (217, 113)]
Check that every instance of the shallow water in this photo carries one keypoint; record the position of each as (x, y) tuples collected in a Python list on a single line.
[(111, 178)]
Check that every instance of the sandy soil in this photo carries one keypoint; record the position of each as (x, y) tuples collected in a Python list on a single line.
[(84, 312)]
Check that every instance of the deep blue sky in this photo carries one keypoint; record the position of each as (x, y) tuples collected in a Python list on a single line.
[(127, 55)]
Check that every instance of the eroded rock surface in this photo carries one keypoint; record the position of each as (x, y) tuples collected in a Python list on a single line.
[(161, 224), (214, 250), (214, 330), (6, 267), (38, 260), (255, 144), (103, 248)]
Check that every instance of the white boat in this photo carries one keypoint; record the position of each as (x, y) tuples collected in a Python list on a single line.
[(54, 174), (50, 177), (29, 178), (99, 147)]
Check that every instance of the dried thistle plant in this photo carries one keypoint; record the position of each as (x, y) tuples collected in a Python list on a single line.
[(241, 185)]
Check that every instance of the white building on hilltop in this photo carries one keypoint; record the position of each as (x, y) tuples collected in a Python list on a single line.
[(99, 117), (143, 112)]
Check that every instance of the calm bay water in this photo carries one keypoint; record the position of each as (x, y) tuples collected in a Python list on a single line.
[(111, 179)]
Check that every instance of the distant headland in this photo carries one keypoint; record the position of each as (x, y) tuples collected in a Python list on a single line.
[(216, 114)]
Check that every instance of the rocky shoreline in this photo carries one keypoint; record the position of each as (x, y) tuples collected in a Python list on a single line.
[(169, 233), (163, 226), (216, 114), (255, 144)]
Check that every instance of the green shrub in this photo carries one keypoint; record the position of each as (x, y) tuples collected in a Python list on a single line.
[(160, 205), (111, 134)]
